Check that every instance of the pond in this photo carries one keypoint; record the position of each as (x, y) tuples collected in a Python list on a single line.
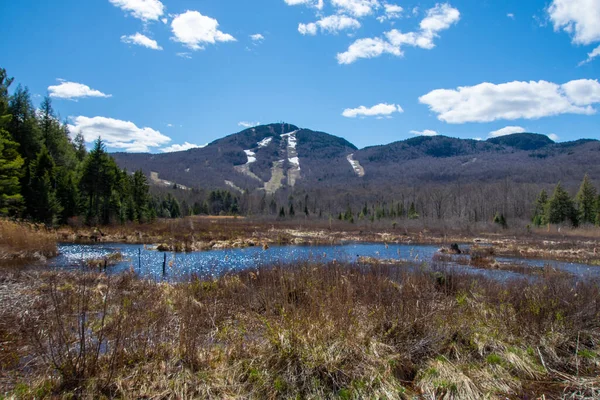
[(149, 263)]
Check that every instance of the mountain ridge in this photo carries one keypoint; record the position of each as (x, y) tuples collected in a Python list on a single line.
[(277, 156)]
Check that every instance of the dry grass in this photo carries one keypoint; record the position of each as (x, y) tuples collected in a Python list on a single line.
[(24, 242), (307, 331)]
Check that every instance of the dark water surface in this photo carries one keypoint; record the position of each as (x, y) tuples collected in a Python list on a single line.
[(149, 263)]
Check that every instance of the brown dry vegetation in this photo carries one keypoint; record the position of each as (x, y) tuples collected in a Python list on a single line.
[(25, 242), (307, 331)]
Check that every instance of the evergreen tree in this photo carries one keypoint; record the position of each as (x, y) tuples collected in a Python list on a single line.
[(11, 163), (67, 194), (539, 213), (282, 212), (80, 150), (586, 201), (292, 212), (561, 207), (43, 205), (412, 212), (96, 184), (23, 125), (140, 193)]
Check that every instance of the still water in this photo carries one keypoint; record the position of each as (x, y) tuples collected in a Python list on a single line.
[(149, 263)]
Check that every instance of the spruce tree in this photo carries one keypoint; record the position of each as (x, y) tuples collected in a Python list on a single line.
[(561, 207), (43, 206), (539, 213), (586, 201)]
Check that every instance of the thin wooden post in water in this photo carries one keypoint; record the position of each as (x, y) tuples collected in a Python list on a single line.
[(140, 258), (165, 265)]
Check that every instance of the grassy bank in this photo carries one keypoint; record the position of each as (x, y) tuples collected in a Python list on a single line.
[(307, 331), (22, 242)]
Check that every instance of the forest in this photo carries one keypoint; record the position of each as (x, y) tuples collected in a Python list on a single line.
[(49, 177)]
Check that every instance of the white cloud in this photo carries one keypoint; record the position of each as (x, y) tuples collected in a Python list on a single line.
[(582, 92), (554, 137), (164, 20), (509, 130), (357, 8), (146, 10), (194, 30), (117, 134), (141, 40), (437, 19), (318, 4), (184, 55), (367, 48), (488, 102), (331, 24), (247, 124), (73, 90), (257, 37), (382, 109), (595, 53), (426, 132), (510, 15), (579, 18), (391, 11), (182, 147)]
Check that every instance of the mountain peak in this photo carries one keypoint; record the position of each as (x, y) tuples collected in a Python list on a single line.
[(523, 141)]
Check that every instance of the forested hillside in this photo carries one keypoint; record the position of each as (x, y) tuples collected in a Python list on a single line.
[(46, 176)]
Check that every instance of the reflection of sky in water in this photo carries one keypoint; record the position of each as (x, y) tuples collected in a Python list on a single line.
[(215, 262)]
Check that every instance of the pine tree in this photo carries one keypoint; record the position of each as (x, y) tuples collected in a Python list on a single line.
[(282, 212), (586, 201), (561, 207)]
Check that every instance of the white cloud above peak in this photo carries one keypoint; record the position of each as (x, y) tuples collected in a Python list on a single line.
[(141, 40), (73, 91), (246, 124), (488, 102), (509, 130), (146, 10), (330, 24), (117, 134), (426, 132), (579, 18), (195, 30), (438, 18), (257, 37), (382, 109), (181, 147)]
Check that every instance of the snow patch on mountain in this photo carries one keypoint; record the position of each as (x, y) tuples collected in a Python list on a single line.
[(251, 156), (265, 142), (358, 169)]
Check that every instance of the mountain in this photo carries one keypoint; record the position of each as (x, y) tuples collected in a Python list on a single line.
[(275, 156)]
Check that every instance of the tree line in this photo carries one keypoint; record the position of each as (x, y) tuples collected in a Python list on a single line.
[(48, 177)]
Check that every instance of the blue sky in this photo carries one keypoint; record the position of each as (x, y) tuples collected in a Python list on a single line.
[(151, 75)]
